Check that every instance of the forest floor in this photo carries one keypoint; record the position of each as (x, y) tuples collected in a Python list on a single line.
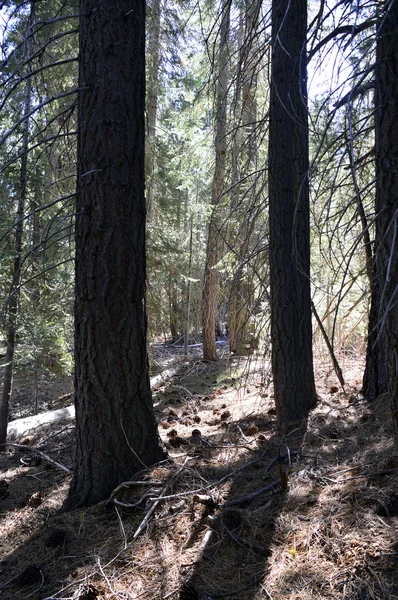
[(239, 512)]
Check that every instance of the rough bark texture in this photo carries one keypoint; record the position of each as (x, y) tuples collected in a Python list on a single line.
[(377, 374), (292, 361), (386, 250), (115, 423), (210, 276)]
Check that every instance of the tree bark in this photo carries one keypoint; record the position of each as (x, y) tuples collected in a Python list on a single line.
[(116, 429), (376, 376), (291, 332), (210, 275), (386, 246)]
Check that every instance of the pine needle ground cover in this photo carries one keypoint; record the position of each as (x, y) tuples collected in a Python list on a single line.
[(237, 512)]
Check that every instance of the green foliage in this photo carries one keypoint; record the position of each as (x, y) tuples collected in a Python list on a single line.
[(342, 173), (42, 55)]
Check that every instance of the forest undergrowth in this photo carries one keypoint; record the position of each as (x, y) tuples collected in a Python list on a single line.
[(238, 511)]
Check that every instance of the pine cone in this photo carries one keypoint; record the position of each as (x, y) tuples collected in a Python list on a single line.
[(30, 575), (36, 499), (188, 592), (56, 538)]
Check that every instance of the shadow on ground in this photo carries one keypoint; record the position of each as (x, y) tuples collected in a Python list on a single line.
[(218, 532)]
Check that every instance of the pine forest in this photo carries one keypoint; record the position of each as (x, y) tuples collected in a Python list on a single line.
[(199, 299)]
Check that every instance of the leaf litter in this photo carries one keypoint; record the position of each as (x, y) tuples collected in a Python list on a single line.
[(237, 512)]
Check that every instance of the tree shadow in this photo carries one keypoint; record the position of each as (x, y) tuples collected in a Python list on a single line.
[(330, 534), (323, 537)]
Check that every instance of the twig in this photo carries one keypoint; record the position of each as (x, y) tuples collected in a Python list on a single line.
[(364, 476), (144, 497), (122, 528), (131, 484), (150, 512), (104, 576), (184, 389), (288, 455), (336, 366), (243, 435), (42, 455), (250, 497), (180, 494), (57, 433), (225, 478)]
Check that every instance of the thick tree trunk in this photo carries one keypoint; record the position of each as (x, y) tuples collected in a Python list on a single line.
[(386, 247), (376, 376), (291, 332), (115, 423), (210, 276), (13, 302)]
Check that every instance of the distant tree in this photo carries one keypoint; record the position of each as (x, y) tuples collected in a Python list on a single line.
[(115, 423), (13, 302), (153, 64), (246, 186), (289, 252), (210, 275)]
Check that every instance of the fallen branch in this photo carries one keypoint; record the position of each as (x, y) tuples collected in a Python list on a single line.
[(150, 512), (245, 499), (336, 366), (42, 455)]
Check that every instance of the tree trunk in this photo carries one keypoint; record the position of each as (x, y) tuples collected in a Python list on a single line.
[(210, 276), (291, 332), (173, 308), (375, 380), (375, 376), (153, 62), (115, 423), (13, 302), (188, 290), (242, 291), (386, 246)]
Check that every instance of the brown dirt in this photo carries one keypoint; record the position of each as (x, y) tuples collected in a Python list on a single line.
[(332, 533)]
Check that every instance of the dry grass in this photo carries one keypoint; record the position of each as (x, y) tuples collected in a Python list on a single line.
[(331, 534)]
